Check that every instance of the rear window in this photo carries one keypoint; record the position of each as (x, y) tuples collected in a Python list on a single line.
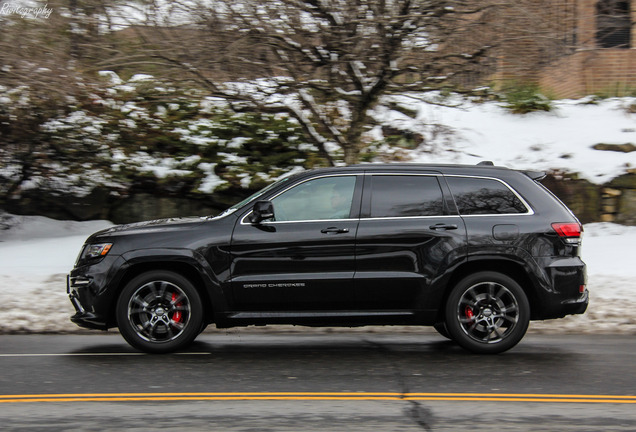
[(482, 196), (405, 196)]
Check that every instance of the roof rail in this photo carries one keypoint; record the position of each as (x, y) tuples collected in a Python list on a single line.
[(486, 163)]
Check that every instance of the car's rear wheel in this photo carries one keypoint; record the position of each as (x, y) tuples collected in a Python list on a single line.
[(487, 313), (159, 312)]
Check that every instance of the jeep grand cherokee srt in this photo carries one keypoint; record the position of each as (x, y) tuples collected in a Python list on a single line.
[(475, 251)]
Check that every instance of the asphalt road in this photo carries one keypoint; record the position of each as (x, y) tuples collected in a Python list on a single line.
[(243, 381)]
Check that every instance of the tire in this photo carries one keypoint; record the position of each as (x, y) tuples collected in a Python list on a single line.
[(487, 313), (159, 312), (442, 330)]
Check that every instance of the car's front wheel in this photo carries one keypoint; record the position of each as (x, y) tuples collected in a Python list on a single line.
[(487, 313), (442, 330), (159, 312)]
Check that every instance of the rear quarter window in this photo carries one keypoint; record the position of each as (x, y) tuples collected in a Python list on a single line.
[(484, 196)]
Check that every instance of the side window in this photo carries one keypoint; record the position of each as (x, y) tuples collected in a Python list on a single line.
[(405, 195), (319, 199), (484, 196)]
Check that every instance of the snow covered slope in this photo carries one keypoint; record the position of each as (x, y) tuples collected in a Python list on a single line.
[(561, 139)]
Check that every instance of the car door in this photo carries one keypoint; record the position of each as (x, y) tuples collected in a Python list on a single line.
[(407, 238), (304, 257)]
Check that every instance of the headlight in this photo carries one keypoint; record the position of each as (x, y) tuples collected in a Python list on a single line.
[(97, 250)]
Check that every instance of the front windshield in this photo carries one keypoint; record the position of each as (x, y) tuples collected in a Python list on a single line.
[(253, 197)]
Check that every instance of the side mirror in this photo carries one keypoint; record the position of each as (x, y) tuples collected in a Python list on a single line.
[(262, 210)]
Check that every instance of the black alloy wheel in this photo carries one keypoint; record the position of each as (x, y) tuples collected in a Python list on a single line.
[(159, 312), (487, 313)]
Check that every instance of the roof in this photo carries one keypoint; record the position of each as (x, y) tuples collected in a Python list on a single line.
[(482, 168)]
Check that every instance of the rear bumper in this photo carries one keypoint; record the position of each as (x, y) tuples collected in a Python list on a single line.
[(576, 306), (566, 292)]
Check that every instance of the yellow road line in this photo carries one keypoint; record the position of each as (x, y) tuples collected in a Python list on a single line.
[(299, 396)]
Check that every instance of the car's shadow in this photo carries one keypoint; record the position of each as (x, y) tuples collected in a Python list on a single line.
[(262, 348)]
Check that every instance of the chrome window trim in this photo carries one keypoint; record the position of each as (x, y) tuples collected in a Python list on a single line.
[(303, 221), (498, 215), (409, 217), (438, 175), (529, 212), (403, 174), (299, 221)]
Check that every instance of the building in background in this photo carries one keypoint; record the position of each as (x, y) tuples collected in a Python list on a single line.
[(571, 48)]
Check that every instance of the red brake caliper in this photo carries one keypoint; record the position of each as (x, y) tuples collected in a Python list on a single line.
[(469, 312), (177, 317)]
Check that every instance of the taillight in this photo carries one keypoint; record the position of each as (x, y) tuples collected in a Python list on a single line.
[(570, 232)]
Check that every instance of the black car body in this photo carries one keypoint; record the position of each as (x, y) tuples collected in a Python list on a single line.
[(476, 251)]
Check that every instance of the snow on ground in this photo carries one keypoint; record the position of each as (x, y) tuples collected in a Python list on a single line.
[(36, 253), (561, 139)]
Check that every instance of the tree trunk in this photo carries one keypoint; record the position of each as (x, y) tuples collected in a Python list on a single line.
[(351, 154)]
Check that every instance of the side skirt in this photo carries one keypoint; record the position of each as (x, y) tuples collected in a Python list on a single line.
[(321, 318)]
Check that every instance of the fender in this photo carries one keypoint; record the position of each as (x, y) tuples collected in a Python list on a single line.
[(213, 280), (539, 282), (539, 279)]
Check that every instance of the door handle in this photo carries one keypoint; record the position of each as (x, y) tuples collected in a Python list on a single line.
[(334, 230), (443, 226)]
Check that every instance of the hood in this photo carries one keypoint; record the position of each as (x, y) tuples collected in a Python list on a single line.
[(158, 225)]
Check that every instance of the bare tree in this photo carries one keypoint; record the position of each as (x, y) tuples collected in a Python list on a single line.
[(324, 62)]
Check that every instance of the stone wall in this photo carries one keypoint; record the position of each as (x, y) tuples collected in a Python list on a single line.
[(611, 202), (620, 200), (133, 207)]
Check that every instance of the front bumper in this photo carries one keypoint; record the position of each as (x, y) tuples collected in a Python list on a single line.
[(89, 290), (77, 293)]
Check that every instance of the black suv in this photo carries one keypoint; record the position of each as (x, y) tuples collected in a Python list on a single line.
[(475, 251)]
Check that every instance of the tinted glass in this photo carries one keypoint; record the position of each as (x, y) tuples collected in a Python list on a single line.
[(318, 199), (401, 196), (484, 196)]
